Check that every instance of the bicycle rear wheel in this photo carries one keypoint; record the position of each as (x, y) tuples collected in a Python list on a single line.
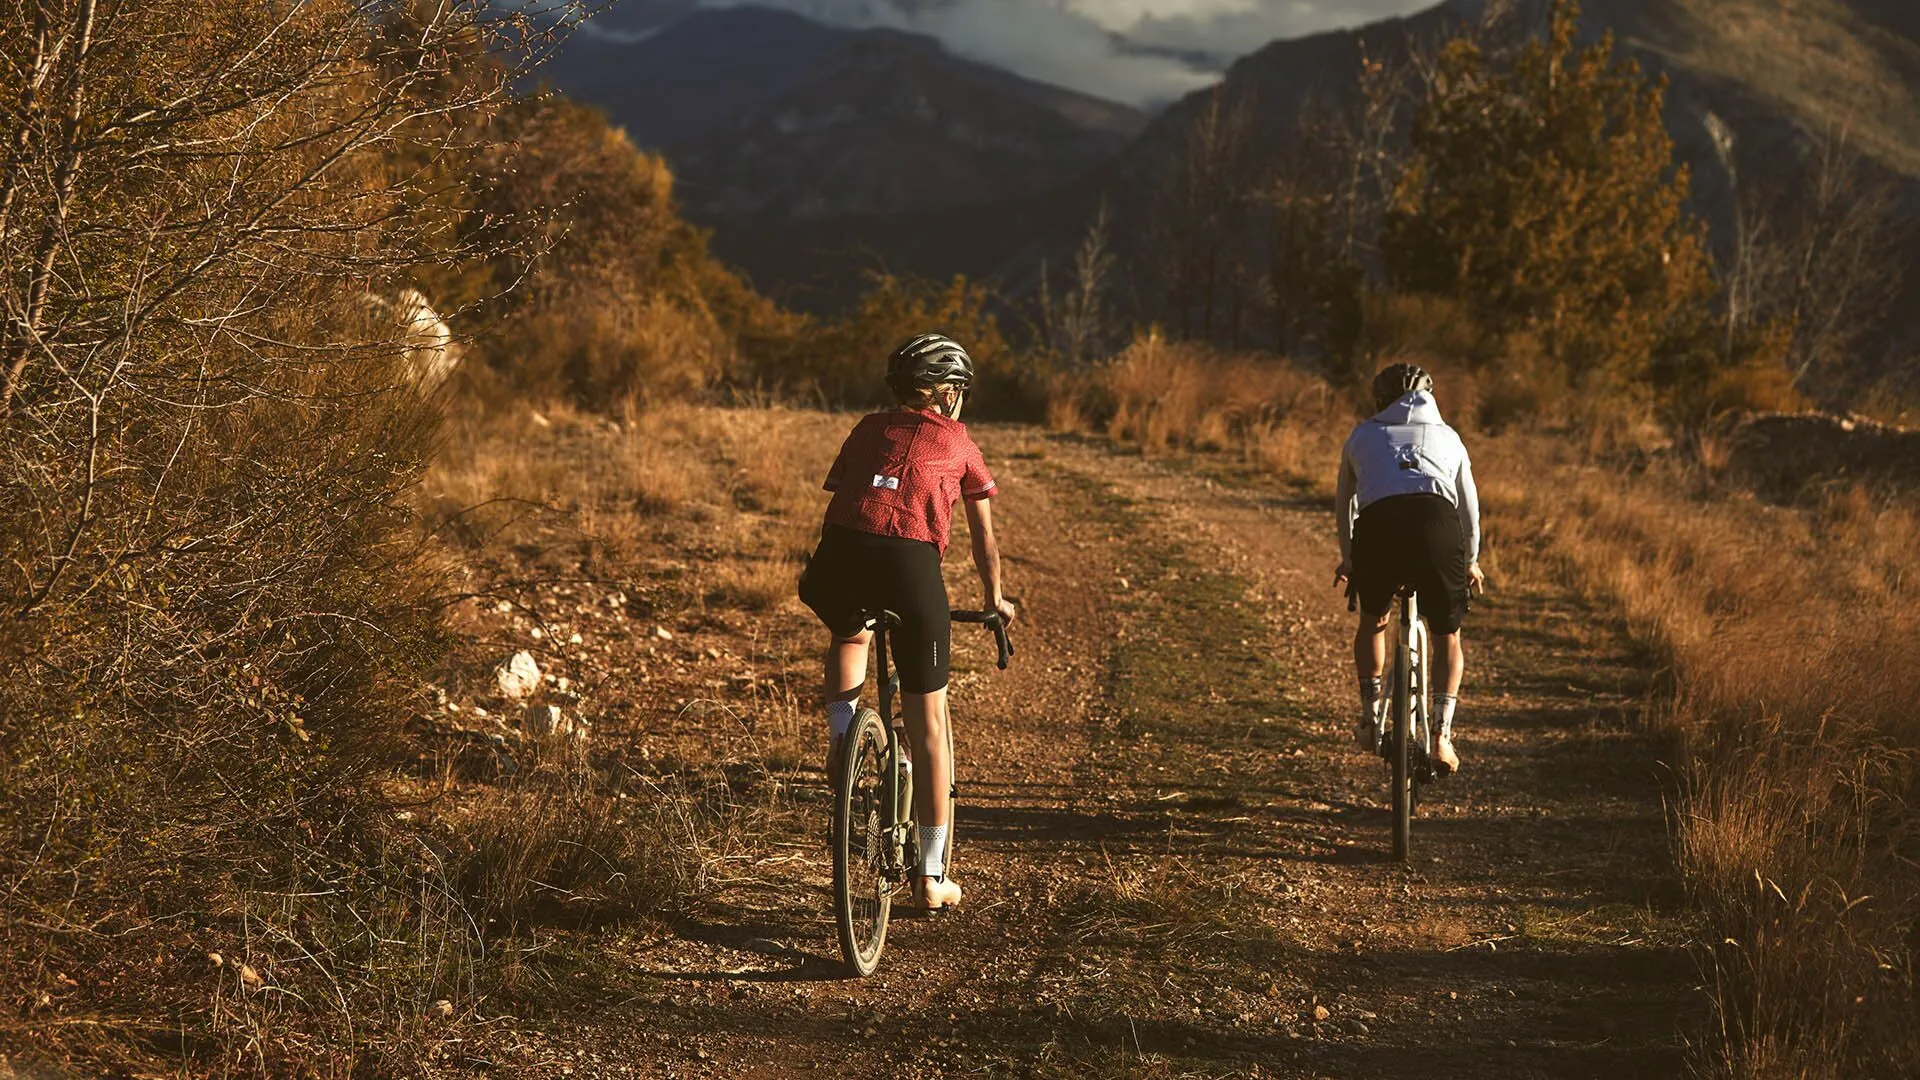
[(862, 893), (1400, 752)]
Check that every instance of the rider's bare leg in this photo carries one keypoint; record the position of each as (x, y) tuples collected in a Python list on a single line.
[(1370, 646), (926, 716), (1451, 663), (847, 666), (1369, 661), (846, 673)]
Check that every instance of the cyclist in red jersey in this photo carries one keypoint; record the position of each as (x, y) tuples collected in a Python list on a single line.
[(894, 486)]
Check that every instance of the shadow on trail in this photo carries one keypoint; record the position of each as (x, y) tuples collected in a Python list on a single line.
[(754, 939), (1039, 826), (1591, 1013)]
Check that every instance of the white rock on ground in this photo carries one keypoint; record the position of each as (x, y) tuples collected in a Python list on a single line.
[(547, 720), (518, 676)]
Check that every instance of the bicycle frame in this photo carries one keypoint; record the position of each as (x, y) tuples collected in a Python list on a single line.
[(902, 849), (1415, 640), (888, 856), (901, 853)]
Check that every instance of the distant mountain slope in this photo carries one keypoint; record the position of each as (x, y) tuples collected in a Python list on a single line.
[(1840, 64), (877, 149), (667, 75), (771, 117)]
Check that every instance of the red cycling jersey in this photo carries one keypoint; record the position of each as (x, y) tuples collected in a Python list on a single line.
[(900, 472)]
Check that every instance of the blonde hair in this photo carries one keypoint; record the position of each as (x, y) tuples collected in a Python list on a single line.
[(921, 397)]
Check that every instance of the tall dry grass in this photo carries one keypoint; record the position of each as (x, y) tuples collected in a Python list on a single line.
[(1158, 396), (745, 481), (555, 512), (1785, 630)]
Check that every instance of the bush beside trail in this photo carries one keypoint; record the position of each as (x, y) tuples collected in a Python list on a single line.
[(217, 606)]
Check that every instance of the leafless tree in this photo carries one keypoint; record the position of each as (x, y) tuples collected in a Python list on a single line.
[(209, 596), (1203, 214), (1820, 256), (1083, 314)]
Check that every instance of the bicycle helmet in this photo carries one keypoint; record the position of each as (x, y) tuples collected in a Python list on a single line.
[(929, 360), (1396, 381)]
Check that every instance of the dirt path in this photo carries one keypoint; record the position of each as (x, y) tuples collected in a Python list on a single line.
[(1175, 866)]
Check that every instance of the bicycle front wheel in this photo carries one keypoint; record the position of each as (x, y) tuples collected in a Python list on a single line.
[(862, 893), (1400, 753)]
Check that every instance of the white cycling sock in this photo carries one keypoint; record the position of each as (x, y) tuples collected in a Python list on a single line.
[(840, 716), (1447, 703), (933, 850)]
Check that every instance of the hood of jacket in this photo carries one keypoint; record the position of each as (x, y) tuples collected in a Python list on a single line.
[(1417, 407)]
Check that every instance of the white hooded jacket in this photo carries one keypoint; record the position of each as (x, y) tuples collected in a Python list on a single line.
[(1406, 449)]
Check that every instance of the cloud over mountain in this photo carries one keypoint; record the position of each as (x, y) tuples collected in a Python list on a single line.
[(1141, 52)]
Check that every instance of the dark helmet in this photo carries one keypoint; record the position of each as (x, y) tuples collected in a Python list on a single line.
[(1396, 381), (929, 360)]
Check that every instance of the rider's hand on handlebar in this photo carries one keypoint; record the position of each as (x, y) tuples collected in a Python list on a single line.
[(1476, 578), (1003, 606)]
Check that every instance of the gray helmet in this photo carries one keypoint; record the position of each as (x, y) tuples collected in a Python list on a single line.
[(929, 360), (1396, 381)]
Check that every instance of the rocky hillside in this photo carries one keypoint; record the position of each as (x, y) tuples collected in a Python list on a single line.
[(801, 167), (769, 117), (1852, 64)]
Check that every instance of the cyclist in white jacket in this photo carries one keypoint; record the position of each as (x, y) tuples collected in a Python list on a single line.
[(1408, 514)]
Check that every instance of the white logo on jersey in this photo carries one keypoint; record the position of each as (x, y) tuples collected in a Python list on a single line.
[(891, 483)]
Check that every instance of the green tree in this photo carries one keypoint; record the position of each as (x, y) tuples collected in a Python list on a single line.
[(611, 296), (844, 361), (1541, 193)]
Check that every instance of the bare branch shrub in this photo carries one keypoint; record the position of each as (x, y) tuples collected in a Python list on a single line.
[(1084, 319), (211, 597), (1820, 257), (1201, 216)]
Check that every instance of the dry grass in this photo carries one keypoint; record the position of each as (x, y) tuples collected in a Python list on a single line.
[(1162, 396), (559, 853), (1816, 57), (746, 480), (1163, 903), (585, 539), (1785, 631)]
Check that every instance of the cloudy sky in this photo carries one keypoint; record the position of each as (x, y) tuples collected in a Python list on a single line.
[(1138, 51)]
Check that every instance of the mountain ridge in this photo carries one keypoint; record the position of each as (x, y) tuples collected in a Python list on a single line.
[(768, 116)]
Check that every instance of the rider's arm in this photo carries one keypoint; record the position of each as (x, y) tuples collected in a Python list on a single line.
[(1469, 507), (986, 552), (1343, 497)]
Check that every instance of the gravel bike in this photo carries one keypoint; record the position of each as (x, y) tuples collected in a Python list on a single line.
[(1408, 746), (875, 836)]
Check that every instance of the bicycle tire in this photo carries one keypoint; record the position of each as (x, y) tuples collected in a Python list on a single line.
[(862, 893), (1423, 725), (1400, 752)]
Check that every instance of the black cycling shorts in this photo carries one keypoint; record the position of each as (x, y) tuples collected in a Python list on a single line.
[(853, 571), (1412, 540)]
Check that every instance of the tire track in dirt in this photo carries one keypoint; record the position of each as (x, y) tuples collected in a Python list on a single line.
[(1535, 932), (1175, 867)]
